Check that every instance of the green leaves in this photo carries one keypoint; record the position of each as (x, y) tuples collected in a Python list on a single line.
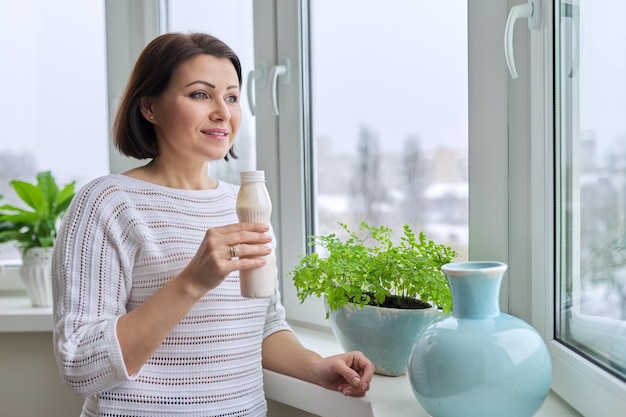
[(36, 227), (367, 270)]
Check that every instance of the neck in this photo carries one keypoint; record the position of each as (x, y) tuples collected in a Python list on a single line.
[(186, 178)]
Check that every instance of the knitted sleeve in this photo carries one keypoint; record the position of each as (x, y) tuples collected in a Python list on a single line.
[(91, 267)]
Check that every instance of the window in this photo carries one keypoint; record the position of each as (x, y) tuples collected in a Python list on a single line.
[(390, 117), (591, 151), (558, 216), (384, 124), (53, 106), (590, 173)]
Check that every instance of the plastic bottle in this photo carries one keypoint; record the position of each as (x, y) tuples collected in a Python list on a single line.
[(254, 205)]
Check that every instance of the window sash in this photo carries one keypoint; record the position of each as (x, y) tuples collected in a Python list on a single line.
[(585, 386)]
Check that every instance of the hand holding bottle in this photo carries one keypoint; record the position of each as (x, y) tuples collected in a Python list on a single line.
[(254, 205)]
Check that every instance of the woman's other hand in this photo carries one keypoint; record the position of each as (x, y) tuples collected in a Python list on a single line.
[(349, 373)]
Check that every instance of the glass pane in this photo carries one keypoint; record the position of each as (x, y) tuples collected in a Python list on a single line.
[(390, 121), (53, 105), (216, 17), (591, 181)]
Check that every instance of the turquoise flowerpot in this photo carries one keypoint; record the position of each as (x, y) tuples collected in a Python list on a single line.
[(384, 335), (477, 361)]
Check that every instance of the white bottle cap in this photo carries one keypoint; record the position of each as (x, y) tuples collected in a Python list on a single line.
[(247, 176)]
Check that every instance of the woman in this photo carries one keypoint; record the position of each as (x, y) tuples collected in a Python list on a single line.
[(149, 320)]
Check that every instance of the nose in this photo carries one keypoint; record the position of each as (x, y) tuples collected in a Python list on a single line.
[(219, 111)]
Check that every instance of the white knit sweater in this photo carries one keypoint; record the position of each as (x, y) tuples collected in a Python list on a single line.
[(120, 241)]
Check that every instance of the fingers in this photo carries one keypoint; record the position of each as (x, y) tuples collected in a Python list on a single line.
[(243, 252), (351, 373), (241, 228), (239, 246), (237, 234), (359, 375), (228, 248), (356, 388), (230, 238)]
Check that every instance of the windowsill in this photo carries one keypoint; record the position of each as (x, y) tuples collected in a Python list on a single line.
[(389, 396), (18, 315)]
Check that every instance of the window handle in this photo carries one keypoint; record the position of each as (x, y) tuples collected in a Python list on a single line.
[(572, 12), (259, 75), (275, 72), (530, 10)]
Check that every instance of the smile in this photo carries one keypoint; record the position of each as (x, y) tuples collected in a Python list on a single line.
[(216, 133)]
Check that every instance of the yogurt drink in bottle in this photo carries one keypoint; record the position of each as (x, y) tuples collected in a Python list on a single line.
[(254, 205)]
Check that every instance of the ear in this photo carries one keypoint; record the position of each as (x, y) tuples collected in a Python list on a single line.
[(147, 111)]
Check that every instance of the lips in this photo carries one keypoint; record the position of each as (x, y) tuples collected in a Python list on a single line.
[(218, 134)]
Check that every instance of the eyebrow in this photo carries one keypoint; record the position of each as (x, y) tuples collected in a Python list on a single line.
[(208, 84)]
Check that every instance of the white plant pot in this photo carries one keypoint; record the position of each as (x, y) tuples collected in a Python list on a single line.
[(36, 273)]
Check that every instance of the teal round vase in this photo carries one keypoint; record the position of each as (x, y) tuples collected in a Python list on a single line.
[(478, 361)]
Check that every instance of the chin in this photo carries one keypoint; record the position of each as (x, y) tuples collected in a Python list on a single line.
[(214, 155)]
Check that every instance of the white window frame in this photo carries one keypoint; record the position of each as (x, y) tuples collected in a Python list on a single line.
[(585, 386), (286, 162)]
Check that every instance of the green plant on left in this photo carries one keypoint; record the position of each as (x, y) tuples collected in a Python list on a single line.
[(36, 227)]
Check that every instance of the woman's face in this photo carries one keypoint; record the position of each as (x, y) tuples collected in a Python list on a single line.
[(199, 114)]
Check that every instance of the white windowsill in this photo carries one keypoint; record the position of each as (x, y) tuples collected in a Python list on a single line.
[(388, 397), (18, 315)]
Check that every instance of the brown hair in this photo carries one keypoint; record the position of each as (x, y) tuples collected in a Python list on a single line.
[(133, 135)]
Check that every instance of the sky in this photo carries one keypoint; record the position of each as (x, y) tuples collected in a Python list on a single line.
[(52, 99), (401, 70)]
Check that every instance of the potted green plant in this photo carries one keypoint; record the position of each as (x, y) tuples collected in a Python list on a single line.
[(33, 229), (378, 294)]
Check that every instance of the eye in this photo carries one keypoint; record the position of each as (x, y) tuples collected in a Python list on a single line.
[(199, 95), (232, 99)]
